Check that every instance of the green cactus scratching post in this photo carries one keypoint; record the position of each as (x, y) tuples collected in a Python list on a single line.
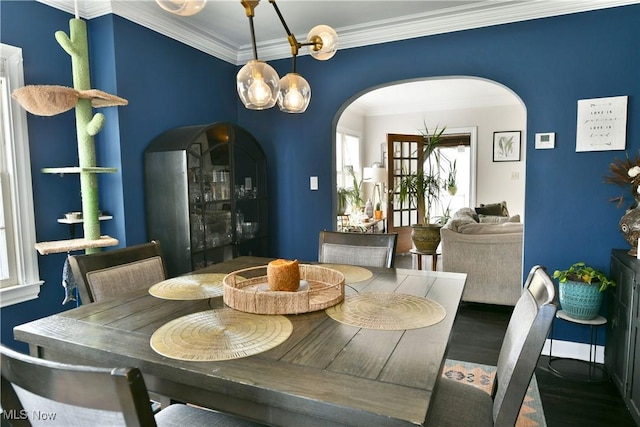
[(87, 126)]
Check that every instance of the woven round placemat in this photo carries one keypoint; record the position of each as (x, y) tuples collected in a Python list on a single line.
[(352, 273), (387, 311), (221, 334), (189, 287)]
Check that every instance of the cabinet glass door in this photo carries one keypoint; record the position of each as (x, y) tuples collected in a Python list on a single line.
[(210, 199), (249, 178)]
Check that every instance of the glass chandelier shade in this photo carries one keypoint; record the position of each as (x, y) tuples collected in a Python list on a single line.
[(182, 7), (325, 42), (295, 94), (258, 84)]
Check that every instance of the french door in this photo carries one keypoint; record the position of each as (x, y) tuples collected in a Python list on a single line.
[(405, 157)]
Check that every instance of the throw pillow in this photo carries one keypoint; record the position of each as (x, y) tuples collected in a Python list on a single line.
[(462, 216), (498, 209), (466, 213)]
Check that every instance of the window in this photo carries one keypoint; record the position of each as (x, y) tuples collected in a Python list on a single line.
[(347, 154), (19, 276)]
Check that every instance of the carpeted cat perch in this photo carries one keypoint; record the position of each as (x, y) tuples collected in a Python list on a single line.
[(51, 100)]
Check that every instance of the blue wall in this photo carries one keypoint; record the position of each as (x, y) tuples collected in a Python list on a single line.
[(550, 63)]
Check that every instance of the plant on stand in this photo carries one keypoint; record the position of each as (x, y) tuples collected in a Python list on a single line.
[(580, 289), (422, 189), (343, 199), (354, 193), (450, 183), (626, 173)]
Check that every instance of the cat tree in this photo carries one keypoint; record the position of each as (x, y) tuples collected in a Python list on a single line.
[(46, 100)]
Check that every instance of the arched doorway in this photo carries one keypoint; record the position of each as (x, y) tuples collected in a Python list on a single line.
[(474, 105)]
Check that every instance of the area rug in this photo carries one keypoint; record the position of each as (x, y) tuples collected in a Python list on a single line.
[(482, 376)]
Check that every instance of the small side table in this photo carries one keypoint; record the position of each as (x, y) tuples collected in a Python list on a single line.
[(561, 366), (419, 254)]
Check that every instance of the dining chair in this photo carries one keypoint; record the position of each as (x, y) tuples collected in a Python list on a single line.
[(456, 404), (41, 392), (110, 273), (363, 249)]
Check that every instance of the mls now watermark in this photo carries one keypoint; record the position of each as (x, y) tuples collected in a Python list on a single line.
[(14, 414)]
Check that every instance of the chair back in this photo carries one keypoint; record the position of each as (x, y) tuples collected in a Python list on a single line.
[(42, 392), (363, 249), (541, 286), (111, 273), (526, 333)]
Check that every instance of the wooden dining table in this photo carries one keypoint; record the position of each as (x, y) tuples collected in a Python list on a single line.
[(325, 373)]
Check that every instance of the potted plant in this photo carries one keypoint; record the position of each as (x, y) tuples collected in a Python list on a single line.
[(581, 288), (354, 193), (450, 182), (378, 212), (422, 190), (343, 199)]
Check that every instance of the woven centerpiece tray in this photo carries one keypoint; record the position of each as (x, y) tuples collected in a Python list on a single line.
[(247, 290)]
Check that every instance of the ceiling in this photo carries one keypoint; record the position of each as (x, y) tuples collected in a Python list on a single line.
[(222, 29)]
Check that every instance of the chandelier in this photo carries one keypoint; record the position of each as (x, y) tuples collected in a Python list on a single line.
[(258, 84)]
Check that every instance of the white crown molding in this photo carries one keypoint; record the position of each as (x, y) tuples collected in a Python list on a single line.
[(86, 9), (449, 20), (467, 18)]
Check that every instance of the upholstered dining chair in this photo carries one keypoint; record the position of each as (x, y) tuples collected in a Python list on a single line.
[(363, 249), (110, 273), (73, 395), (456, 404)]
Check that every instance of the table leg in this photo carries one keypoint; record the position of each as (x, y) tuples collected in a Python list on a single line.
[(418, 258)]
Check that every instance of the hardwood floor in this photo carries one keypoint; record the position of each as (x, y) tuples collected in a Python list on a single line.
[(477, 336)]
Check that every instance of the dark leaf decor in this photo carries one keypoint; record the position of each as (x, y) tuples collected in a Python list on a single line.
[(625, 173)]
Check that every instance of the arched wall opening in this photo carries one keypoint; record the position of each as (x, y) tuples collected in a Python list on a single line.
[(483, 108)]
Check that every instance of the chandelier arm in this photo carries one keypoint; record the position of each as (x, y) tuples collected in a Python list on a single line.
[(253, 38), (249, 10), (295, 45), (284, 24)]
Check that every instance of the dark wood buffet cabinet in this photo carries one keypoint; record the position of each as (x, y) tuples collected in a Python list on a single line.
[(622, 349)]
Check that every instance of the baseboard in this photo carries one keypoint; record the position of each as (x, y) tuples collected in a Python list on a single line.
[(574, 350)]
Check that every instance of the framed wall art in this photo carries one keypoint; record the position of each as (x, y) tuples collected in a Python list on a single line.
[(602, 124), (506, 146)]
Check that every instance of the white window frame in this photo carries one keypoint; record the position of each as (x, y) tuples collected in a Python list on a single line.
[(341, 178), (22, 236)]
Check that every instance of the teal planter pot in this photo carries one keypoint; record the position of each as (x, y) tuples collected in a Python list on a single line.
[(580, 300)]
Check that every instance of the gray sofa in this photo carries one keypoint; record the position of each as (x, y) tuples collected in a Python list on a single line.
[(489, 250)]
